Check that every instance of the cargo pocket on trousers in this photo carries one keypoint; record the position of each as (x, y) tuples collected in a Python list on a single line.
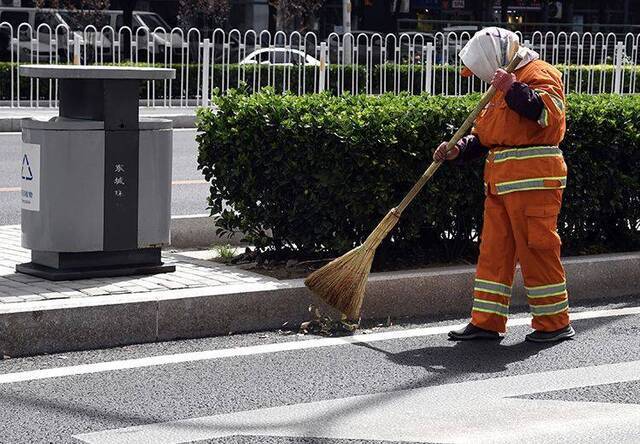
[(542, 225)]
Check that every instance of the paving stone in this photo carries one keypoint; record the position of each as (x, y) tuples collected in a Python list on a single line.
[(11, 284), (228, 279), (151, 286), (181, 280), (75, 294), (52, 286), (95, 291), (198, 282), (114, 289), (199, 272), (30, 289), (22, 278), (32, 297), (148, 285), (6, 289), (128, 284), (54, 295), (10, 299), (138, 289), (172, 285), (83, 283)]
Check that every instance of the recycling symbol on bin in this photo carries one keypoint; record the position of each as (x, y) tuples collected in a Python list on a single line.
[(26, 169)]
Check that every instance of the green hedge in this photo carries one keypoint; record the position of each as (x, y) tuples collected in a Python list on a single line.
[(305, 79), (318, 172)]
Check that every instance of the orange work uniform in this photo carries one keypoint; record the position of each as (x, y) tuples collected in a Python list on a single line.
[(524, 176)]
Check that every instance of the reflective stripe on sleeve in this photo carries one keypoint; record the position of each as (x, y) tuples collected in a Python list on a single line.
[(558, 102), (531, 184), (555, 99), (543, 120), (492, 287)]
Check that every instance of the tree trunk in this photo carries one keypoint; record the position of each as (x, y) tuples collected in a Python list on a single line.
[(127, 7), (568, 11), (281, 15), (627, 12)]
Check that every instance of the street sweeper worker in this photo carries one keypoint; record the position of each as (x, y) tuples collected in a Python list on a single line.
[(519, 132)]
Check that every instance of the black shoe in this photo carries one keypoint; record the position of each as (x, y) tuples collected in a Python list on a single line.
[(551, 336), (472, 332)]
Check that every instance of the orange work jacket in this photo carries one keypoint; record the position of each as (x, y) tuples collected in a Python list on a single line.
[(524, 154)]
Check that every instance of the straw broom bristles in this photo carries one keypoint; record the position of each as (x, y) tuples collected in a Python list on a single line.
[(342, 282)]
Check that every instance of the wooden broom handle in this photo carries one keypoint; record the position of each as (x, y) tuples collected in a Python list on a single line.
[(466, 126)]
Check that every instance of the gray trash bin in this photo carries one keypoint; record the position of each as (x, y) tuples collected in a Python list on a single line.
[(96, 184)]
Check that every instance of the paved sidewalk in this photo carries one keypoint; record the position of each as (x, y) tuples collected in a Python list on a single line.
[(10, 117), (190, 273)]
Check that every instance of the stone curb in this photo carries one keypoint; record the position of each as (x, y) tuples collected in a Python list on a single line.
[(13, 123), (198, 230), (107, 321)]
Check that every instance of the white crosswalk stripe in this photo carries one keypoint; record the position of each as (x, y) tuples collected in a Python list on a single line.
[(467, 412)]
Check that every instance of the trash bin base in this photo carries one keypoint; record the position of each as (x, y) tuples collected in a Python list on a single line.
[(71, 274), (97, 259)]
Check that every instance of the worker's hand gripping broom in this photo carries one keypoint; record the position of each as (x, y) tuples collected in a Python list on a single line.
[(341, 283)]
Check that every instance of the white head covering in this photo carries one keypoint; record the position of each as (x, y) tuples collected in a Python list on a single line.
[(492, 48)]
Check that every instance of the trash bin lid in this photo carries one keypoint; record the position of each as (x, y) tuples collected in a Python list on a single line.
[(96, 72), (62, 124), (67, 124)]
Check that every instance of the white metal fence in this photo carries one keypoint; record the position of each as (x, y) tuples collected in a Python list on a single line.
[(369, 63)]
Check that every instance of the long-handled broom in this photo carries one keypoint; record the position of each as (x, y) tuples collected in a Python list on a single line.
[(341, 283)]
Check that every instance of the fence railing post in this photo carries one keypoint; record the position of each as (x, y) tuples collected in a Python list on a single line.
[(428, 80), (206, 49), (322, 71), (76, 49), (346, 30), (619, 60)]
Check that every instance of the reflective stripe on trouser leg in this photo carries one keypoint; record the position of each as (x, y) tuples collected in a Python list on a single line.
[(490, 304), (490, 307), (496, 267), (538, 251), (549, 304)]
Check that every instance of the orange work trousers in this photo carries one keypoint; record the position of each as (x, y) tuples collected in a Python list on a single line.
[(521, 227)]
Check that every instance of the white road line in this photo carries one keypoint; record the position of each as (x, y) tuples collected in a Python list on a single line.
[(84, 369)]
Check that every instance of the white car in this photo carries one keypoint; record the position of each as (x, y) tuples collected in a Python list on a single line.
[(279, 57)]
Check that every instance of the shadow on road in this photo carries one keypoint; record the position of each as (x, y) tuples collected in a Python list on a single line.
[(483, 357), (464, 357), (63, 407)]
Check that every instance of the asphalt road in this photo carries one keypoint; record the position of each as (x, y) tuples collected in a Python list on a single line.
[(189, 192), (405, 383)]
